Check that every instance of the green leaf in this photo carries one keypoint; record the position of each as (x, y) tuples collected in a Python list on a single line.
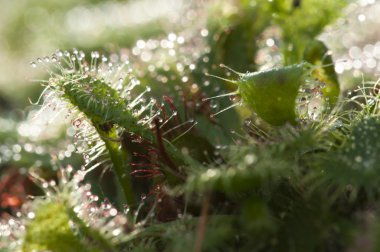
[(317, 54), (272, 94)]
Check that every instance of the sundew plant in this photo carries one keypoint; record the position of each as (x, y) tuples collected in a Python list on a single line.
[(226, 125)]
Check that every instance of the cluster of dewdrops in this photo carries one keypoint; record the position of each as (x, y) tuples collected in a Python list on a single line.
[(358, 49), (358, 36), (115, 70), (11, 230), (88, 143), (99, 215), (365, 58), (269, 54), (310, 101), (26, 146), (103, 217), (174, 58), (66, 62)]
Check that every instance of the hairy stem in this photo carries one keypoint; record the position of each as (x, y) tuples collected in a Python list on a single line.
[(120, 164)]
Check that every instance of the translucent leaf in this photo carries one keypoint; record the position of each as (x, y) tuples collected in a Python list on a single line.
[(317, 54), (272, 94)]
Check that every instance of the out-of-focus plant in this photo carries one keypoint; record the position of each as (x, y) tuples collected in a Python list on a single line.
[(287, 163)]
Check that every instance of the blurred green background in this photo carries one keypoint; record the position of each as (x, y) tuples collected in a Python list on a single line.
[(32, 29), (35, 28)]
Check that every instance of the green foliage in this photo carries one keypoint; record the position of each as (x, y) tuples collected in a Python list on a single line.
[(355, 164), (104, 108), (233, 30), (303, 23), (51, 227), (296, 171)]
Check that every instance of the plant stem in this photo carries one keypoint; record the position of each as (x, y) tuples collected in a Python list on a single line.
[(120, 164), (202, 222)]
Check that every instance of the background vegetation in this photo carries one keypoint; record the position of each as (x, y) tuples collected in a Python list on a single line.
[(229, 125)]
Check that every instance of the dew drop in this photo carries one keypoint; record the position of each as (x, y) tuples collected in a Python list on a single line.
[(95, 55), (361, 18), (180, 40), (31, 215), (116, 232), (76, 209), (192, 66), (204, 32), (358, 159), (184, 79), (270, 42), (172, 37), (113, 212), (249, 159)]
